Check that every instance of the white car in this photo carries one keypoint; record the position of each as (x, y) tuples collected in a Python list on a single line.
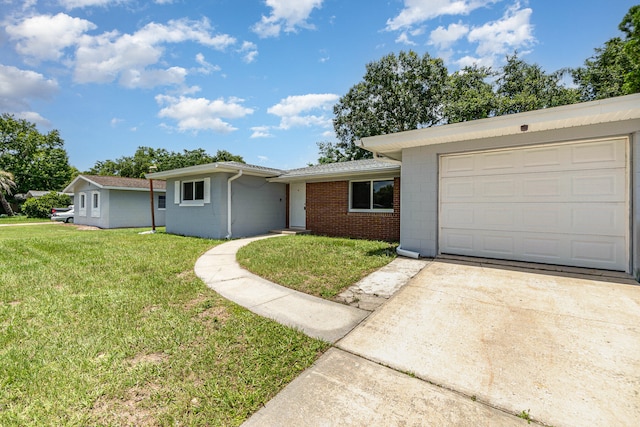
[(66, 216)]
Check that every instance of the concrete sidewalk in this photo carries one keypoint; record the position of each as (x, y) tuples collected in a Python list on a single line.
[(316, 317)]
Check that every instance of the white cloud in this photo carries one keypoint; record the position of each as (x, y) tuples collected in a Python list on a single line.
[(116, 121), (195, 114), (205, 67), (443, 38), (287, 16), (263, 159), (101, 59), (291, 109), (18, 87), (151, 78), (249, 50), (418, 11), (73, 4), (261, 132), (404, 39), (33, 117), (513, 31), (44, 37)]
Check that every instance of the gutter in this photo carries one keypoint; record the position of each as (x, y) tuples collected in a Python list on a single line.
[(236, 176)]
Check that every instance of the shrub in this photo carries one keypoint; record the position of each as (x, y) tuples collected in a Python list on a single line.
[(41, 207)]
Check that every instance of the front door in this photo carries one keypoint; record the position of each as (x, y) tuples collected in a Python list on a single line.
[(298, 198)]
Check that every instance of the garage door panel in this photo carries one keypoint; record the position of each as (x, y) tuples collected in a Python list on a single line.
[(605, 185), (606, 219), (561, 204), (583, 156), (595, 252)]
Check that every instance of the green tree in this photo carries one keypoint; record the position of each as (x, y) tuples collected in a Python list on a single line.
[(397, 93), (630, 26), (604, 74), (38, 161), (40, 207), (526, 87), (7, 185), (469, 96), (137, 165), (614, 69)]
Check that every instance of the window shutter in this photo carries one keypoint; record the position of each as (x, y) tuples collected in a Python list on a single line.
[(176, 193), (207, 190)]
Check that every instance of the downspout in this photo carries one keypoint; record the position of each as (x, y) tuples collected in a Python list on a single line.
[(238, 175), (407, 253)]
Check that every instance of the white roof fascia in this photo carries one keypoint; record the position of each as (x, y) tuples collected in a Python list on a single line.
[(208, 168), (69, 188), (391, 170), (616, 109)]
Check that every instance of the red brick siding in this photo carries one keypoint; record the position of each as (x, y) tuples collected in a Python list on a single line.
[(328, 214)]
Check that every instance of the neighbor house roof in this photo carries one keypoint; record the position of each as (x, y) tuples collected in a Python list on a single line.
[(117, 183), (339, 170), (232, 167), (618, 109), (40, 193)]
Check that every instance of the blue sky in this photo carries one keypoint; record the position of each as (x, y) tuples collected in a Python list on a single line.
[(255, 77)]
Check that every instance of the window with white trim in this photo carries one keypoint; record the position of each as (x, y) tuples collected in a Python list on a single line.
[(373, 195), (193, 192), (162, 201), (95, 204), (82, 204)]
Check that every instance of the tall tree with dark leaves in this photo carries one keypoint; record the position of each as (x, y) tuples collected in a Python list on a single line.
[(38, 161), (397, 93), (137, 166), (614, 69), (469, 95), (525, 87)]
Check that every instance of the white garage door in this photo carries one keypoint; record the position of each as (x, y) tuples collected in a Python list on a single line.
[(561, 204)]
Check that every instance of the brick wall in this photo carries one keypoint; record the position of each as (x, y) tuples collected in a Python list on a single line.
[(328, 214)]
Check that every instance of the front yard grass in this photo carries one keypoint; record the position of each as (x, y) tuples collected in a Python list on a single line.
[(316, 265), (114, 328), (21, 219)]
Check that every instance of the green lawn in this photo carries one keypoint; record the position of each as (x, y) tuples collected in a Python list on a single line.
[(20, 219), (113, 328), (316, 265)]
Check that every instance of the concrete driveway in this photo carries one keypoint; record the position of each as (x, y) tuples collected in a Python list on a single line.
[(475, 344)]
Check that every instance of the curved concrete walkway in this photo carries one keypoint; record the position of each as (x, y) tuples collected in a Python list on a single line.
[(314, 316)]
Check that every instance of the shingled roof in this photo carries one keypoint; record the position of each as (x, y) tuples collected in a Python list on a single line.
[(117, 183)]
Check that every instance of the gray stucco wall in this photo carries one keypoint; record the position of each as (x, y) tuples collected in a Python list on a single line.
[(132, 209), (419, 191), (257, 207), (118, 208)]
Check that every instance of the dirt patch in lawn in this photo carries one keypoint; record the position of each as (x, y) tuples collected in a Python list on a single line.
[(153, 358), (134, 409)]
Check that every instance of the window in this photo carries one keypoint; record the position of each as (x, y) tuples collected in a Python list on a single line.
[(82, 205), (193, 190), (95, 204), (371, 195), (162, 201), (192, 193)]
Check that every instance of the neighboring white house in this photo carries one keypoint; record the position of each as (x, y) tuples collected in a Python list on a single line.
[(556, 186), (116, 202)]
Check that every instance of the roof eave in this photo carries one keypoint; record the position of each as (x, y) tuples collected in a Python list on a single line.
[(617, 109), (337, 176), (207, 168)]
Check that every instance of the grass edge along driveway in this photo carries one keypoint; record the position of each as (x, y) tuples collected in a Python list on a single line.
[(113, 328)]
